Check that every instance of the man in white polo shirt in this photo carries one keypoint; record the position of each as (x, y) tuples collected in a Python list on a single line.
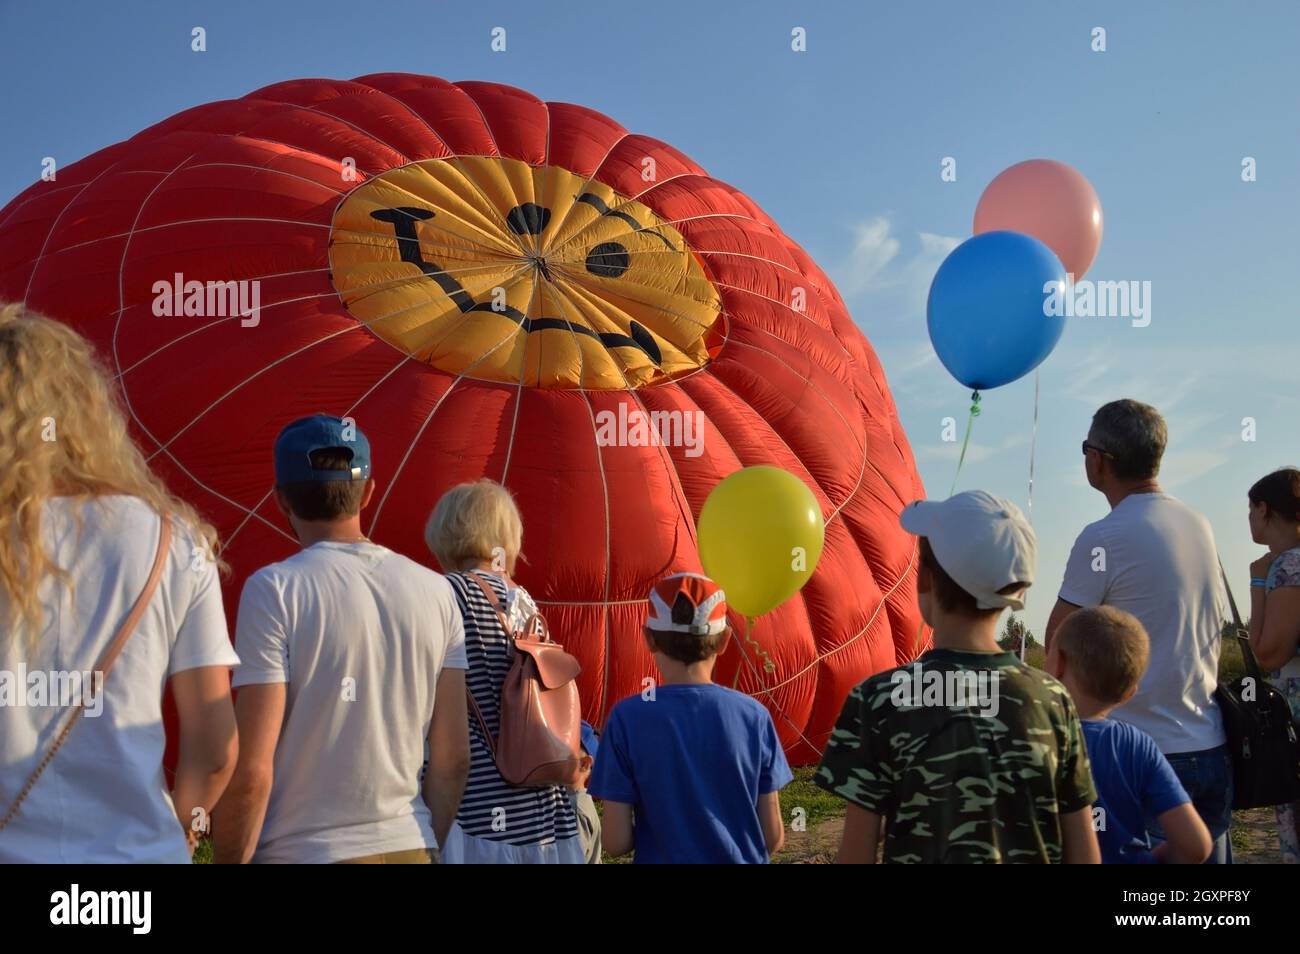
[(352, 659), (1154, 556)]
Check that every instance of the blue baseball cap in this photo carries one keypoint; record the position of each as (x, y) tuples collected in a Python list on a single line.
[(590, 740), (294, 447)]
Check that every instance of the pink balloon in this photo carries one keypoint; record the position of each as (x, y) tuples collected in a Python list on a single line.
[(1052, 202)]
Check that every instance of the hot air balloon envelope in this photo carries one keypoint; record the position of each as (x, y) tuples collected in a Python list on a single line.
[(490, 285)]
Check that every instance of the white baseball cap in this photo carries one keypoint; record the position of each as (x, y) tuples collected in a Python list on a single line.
[(983, 542)]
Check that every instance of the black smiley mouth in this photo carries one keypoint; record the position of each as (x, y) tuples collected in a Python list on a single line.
[(606, 260)]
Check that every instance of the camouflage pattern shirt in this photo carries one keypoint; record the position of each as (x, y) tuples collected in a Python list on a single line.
[(970, 757)]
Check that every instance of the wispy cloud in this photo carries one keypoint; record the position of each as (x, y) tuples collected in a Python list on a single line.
[(975, 452), (903, 358), (874, 249), (935, 248), (1174, 377), (885, 279), (1189, 422), (1083, 381), (1183, 465), (879, 275)]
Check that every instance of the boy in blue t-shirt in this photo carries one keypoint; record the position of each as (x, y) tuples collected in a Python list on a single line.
[(1100, 655), (690, 772)]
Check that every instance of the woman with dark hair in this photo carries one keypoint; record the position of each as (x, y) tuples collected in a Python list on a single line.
[(1275, 606)]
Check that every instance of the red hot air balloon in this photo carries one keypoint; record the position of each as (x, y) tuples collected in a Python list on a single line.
[(490, 285)]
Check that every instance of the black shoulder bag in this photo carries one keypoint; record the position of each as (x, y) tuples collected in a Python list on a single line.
[(1261, 733)]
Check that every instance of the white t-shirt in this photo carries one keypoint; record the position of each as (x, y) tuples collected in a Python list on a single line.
[(103, 798), (1160, 564), (360, 635)]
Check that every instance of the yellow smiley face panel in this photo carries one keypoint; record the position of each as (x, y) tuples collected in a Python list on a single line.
[(501, 271)]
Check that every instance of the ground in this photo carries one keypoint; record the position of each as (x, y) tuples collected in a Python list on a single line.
[(1254, 832)]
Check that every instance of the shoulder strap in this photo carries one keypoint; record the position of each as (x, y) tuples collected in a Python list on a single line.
[(1240, 631), (482, 723), (495, 603), (105, 661)]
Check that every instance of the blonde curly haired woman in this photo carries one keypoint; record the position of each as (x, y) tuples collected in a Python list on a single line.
[(81, 518)]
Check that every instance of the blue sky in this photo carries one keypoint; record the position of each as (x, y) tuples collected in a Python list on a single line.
[(842, 145)]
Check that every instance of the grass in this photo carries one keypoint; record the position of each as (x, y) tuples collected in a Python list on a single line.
[(806, 800), (1237, 836), (1232, 665)]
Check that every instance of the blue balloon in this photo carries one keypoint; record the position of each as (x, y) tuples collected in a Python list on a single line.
[(987, 311)]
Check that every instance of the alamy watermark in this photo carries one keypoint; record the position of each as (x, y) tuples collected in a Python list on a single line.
[(633, 427), (129, 908), (916, 686), (57, 688), (1089, 299), (181, 298)]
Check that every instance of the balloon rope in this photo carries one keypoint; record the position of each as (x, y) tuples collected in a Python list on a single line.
[(1033, 444), (735, 683), (974, 413), (769, 667)]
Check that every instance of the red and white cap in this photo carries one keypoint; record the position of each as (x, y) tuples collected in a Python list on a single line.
[(704, 599)]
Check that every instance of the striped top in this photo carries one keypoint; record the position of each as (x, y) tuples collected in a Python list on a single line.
[(492, 808)]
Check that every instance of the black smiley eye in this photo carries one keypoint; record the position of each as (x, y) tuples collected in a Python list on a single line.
[(608, 260)]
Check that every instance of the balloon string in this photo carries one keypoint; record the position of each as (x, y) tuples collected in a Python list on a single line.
[(1033, 445), (735, 683), (974, 413), (769, 666), (920, 634)]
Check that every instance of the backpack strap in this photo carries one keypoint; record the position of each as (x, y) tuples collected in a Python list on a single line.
[(536, 625), (493, 601), (475, 711), (105, 661)]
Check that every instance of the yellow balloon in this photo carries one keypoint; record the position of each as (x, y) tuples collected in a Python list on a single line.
[(760, 535)]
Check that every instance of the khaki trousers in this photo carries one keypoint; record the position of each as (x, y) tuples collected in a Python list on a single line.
[(412, 856)]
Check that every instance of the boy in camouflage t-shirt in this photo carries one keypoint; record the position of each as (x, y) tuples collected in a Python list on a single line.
[(967, 754)]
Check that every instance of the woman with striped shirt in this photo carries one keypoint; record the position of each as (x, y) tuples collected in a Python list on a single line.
[(475, 530)]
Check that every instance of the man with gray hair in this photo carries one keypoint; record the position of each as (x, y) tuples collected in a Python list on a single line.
[(1154, 556)]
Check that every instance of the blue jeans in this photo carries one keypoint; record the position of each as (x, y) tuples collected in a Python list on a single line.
[(1207, 776)]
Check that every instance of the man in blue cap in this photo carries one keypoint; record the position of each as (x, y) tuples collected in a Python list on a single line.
[(353, 659)]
